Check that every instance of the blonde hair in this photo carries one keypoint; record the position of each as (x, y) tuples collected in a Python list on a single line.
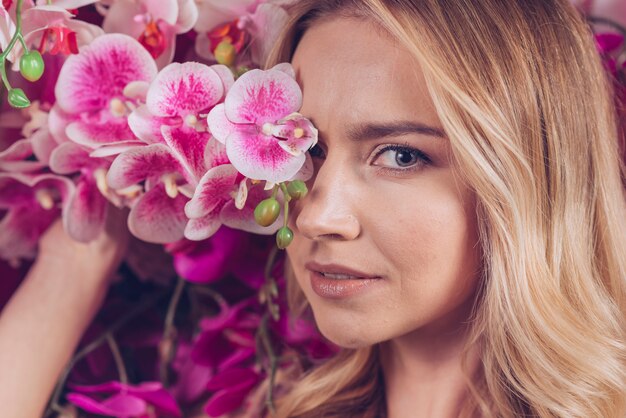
[(524, 100)]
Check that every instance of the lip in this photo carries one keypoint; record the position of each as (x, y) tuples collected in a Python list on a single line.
[(329, 288), (337, 269)]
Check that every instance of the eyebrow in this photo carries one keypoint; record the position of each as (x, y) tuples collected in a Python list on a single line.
[(371, 131)]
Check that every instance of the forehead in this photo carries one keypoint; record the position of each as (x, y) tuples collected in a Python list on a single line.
[(351, 71)]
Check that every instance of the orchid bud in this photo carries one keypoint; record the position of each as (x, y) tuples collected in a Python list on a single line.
[(267, 212), (17, 98), (297, 189), (284, 237), (31, 65)]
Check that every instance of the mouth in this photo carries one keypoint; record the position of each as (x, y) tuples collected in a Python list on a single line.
[(336, 286), (338, 272)]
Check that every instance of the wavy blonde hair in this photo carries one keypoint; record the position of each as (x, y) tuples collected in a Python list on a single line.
[(524, 100)]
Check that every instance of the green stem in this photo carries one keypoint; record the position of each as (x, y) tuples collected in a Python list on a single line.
[(17, 35), (169, 332), (265, 338), (117, 356)]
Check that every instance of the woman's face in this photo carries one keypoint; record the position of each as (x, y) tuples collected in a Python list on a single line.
[(384, 201)]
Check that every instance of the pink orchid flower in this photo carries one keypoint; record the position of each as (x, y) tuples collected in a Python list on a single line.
[(179, 151), (154, 23), (123, 400), (51, 27), (264, 136), (92, 90), (177, 97), (31, 203), (248, 25), (18, 157)]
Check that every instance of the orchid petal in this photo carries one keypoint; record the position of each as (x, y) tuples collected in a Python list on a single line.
[(146, 126), (262, 96), (69, 158), (215, 153), (187, 15), (43, 145), (184, 89), (95, 135), (86, 211), (214, 187), (57, 122), (225, 74), (219, 125), (260, 157), (119, 405), (157, 218), (188, 146), (89, 80), (20, 231), (213, 13), (115, 149), (203, 228), (137, 164)]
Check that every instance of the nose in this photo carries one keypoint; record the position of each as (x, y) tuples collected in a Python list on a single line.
[(329, 210)]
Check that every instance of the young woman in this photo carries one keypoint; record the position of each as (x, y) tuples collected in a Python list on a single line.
[(464, 234)]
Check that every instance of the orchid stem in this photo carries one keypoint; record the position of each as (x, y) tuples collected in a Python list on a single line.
[(265, 338), (54, 401), (169, 333), (17, 35), (117, 356)]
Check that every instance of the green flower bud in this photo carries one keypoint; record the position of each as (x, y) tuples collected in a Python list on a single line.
[(284, 237), (297, 189), (225, 53), (31, 65), (18, 99), (267, 212)]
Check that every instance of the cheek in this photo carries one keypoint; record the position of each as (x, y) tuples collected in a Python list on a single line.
[(431, 243)]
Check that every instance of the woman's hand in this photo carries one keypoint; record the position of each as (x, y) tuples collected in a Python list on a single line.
[(95, 260), (42, 324)]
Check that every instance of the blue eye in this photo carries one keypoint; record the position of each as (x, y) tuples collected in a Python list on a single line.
[(402, 158)]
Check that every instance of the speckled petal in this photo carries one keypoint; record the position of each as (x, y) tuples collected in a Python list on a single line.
[(183, 89), (213, 188), (219, 125), (135, 165), (262, 96), (86, 210), (94, 135), (188, 146), (157, 218), (89, 80), (203, 228), (259, 157)]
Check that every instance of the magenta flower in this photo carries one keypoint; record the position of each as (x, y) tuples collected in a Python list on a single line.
[(91, 89), (227, 340), (122, 400), (31, 203), (265, 139), (231, 388), (17, 157)]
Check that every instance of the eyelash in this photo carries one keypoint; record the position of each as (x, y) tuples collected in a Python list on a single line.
[(422, 158)]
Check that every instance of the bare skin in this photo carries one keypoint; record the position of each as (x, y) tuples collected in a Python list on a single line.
[(42, 324), (414, 229)]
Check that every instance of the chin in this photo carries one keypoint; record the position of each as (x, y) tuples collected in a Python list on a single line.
[(348, 334)]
